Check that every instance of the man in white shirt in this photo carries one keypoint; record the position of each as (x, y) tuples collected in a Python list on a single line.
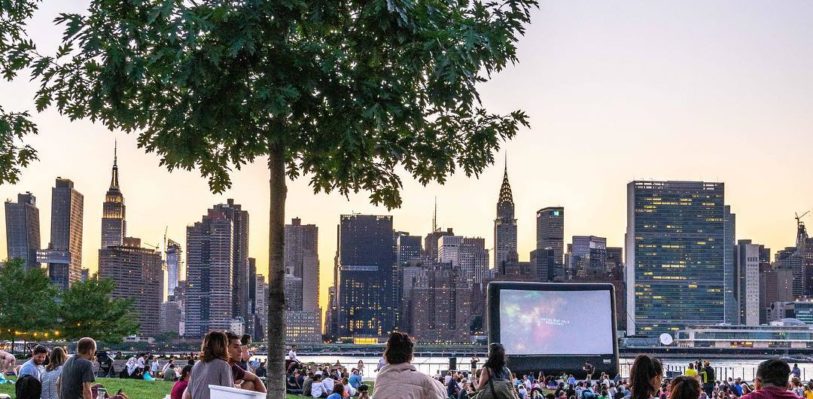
[(292, 354)]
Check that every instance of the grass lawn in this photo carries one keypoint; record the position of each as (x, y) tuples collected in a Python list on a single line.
[(135, 389)]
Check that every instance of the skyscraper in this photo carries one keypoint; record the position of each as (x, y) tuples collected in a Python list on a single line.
[(430, 243), (173, 257), (260, 306), (505, 226), (240, 273), (23, 230), (64, 253), (408, 249), (467, 254), (675, 255), (441, 306), (301, 259), (114, 226), (747, 263), (732, 308), (547, 259), (293, 292), (587, 256), (139, 276), (209, 273), (366, 307)]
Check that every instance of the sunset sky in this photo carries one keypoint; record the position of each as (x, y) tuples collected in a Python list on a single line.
[(615, 91)]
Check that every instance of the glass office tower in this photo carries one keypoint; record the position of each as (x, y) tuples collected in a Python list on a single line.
[(675, 255)]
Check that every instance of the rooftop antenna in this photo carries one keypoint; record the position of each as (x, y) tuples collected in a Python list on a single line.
[(435, 217)]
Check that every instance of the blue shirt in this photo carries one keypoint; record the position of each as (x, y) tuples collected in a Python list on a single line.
[(355, 380), (29, 368), (737, 389)]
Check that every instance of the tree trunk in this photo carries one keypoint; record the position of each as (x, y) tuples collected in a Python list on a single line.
[(275, 330)]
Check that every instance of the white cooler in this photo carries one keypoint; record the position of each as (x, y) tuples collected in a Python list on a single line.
[(218, 392)]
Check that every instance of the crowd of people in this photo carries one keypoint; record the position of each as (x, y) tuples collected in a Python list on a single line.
[(55, 374), (398, 378), (225, 360)]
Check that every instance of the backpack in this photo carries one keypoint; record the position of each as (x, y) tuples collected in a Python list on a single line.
[(499, 389)]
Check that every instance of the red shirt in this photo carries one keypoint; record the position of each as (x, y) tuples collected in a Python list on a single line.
[(177, 389), (771, 393)]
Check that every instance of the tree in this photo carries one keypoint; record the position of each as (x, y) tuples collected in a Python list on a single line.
[(87, 309), (346, 92), (16, 52), (27, 308)]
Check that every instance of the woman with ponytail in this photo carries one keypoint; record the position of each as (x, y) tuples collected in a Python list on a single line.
[(645, 377), (684, 387), (399, 379)]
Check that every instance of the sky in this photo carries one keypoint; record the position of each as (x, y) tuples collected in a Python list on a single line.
[(615, 91)]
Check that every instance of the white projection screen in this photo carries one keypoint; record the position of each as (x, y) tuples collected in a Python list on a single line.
[(556, 322), (554, 327)]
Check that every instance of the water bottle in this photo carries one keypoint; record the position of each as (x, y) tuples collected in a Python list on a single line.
[(101, 393)]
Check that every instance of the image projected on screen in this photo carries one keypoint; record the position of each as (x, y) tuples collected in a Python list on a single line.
[(556, 322)]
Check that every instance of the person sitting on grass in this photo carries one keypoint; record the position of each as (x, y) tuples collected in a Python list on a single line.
[(646, 375), (170, 374), (400, 378), (212, 368), (772, 381), (34, 366), (28, 387), (364, 391), (7, 362), (292, 384), (242, 379), (317, 389), (685, 387), (52, 373), (338, 391), (180, 386)]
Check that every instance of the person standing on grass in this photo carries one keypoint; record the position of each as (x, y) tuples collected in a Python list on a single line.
[(77, 374), (34, 366)]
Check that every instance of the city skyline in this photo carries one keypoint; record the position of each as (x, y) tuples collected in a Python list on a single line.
[(683, 107)]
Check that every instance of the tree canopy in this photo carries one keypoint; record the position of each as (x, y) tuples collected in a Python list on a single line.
[(27, 304), (87, 309), (16, 53), (346, 92), (351, 90)]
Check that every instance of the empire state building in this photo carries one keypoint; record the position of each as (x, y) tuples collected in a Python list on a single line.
[(114, 227), (505, 227)]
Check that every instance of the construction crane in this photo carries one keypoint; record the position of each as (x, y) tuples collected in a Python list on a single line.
[(799, 217), (801, 231)]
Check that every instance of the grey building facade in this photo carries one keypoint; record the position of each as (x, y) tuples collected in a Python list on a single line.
[(23, 230)]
